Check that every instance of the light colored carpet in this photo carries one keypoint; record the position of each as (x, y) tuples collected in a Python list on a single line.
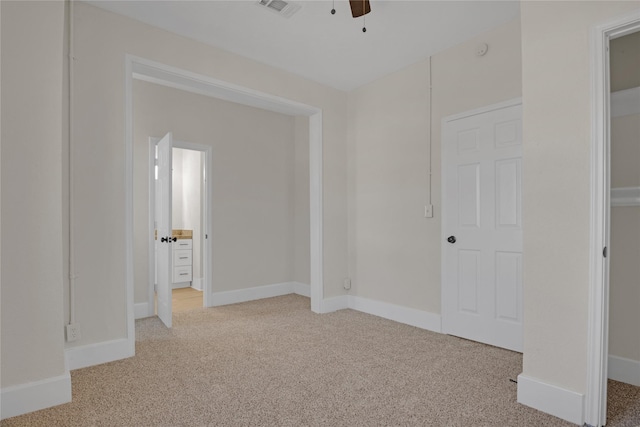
[(275, 363)]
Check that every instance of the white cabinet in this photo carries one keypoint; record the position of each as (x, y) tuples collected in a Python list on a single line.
[(182, 262)]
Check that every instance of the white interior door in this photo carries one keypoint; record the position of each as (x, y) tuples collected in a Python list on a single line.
[(164, 228), (482, 227)]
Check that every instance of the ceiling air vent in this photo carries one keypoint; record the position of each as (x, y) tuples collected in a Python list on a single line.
[(281, 7)]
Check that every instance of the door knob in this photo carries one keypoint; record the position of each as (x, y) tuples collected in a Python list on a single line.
[(451, 239), (164, 239), (174, 239)]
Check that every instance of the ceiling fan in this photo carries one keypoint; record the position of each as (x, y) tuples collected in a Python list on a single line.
[(358, 8)]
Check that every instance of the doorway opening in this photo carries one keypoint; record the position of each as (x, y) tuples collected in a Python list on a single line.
[(154, 72), (624, 267), (190, 225), (601, 214)]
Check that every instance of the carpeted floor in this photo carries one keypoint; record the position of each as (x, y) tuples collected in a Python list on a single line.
[(275, 363)]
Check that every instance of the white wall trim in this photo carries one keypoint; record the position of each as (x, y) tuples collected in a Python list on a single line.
[(24, 398), (595, 407), (554, 400), (98, 353), (624, 370), (330, 305), (241, 295), (301, 289), (625, 196), (128, 207), (141, 310), (316, 212), (409, 316), (482, 110), (397, 313), (251, 294), (625, 102)]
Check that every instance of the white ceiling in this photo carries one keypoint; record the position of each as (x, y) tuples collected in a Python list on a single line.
[(329, 49)]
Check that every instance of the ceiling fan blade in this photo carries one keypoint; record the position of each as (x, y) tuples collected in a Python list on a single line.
[(359, 7)]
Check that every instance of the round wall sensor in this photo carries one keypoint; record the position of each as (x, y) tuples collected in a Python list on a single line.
[(482, 49)]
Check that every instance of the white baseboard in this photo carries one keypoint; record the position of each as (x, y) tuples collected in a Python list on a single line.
[(181, 285), (624, 370), (251, 294), (301, 289), (141, 310), (98, 353), (554, 400), (409, 316), (24, 398), (329, 305), (197, 283)]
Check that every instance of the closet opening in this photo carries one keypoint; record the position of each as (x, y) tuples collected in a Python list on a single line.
[(624, 213)]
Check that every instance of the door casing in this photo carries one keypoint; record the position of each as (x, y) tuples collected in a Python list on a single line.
[(595, 408)]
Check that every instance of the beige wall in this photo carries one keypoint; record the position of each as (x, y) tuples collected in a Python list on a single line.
[(31, 272), (556, 128), (394, 250), (102, 40), (251, 174)]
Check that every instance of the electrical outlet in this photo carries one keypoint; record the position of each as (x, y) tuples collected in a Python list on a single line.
[(73, 332), (346, 283)]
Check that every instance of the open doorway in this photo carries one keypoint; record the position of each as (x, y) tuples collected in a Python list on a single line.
[(602, 195), (137, 69), (189, 225), (624, 269)]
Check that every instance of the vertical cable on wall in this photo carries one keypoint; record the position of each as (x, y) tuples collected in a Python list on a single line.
[(430, 131), (72, 275)]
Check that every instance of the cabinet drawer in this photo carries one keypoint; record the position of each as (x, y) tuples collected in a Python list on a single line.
[(182, 274), (183, 244), (182, 257)]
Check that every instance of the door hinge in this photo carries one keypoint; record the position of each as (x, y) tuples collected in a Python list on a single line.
[(604, 252)]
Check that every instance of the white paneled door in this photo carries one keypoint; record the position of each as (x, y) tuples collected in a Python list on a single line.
[(164, 239), (482, 226)]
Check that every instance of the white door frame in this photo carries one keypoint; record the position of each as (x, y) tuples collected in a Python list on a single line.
[(207, 247), (166, 75), (598, 326)]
